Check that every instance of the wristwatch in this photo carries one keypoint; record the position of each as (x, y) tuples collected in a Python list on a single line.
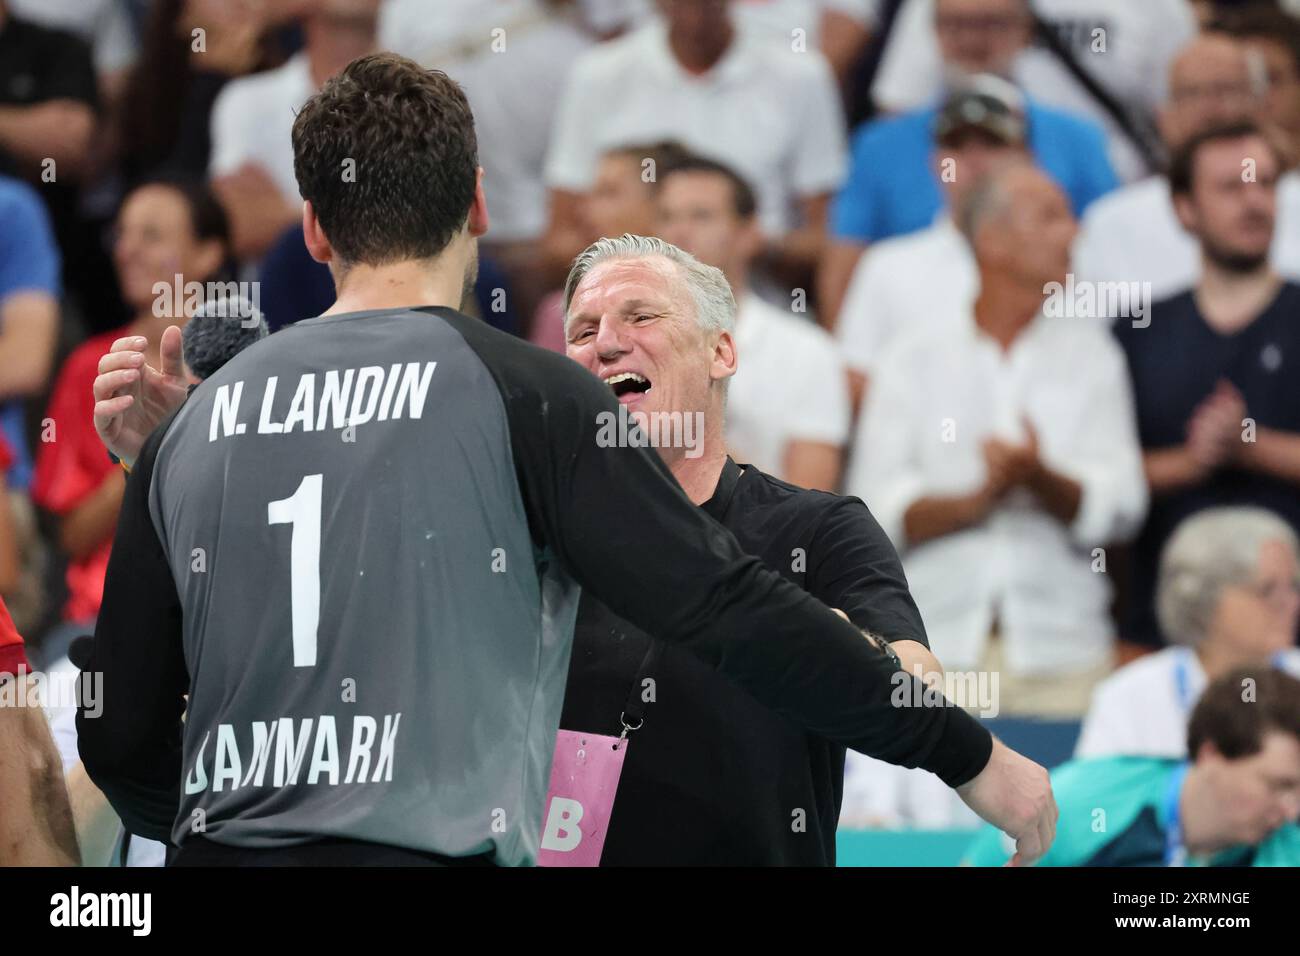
[(882, 645)]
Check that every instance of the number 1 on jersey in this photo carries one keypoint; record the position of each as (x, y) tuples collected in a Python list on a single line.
[(302, 510)]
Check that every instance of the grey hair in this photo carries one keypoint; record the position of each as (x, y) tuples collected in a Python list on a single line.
[(715, 306), (1212, 550)]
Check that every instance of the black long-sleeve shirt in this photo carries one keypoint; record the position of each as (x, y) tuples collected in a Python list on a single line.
[(359, 547), (712, 777)]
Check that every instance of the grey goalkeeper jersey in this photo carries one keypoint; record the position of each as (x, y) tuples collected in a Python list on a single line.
[(358, 549)]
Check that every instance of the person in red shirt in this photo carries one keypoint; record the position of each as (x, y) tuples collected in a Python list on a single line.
[(36, 826), (169, 234)]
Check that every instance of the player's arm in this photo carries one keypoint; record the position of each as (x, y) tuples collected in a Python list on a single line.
[(132, 749), (620, 523), (623, 527)]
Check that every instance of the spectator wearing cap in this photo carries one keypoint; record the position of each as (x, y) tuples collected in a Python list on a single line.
[(892, 190), (1122, 47), (1227, 597), (1134, 234), (903, 282), (788, 405), (1215, 369), (169, 234), (723, 92), (1000, 451)]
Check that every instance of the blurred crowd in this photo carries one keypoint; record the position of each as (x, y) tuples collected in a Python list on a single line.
[(1021, 274)]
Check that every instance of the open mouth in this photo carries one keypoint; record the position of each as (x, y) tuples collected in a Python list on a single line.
[(627, 385)]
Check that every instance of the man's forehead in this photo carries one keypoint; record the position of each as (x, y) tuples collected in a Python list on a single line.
[(623, 284)]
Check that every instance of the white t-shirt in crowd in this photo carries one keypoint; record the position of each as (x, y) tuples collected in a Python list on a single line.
[(511, 57), (789, 386), (1140, 40), (903, 284), (773, 116), (62, 717), (771, 19), (252, 122), (935, 396), (1133, 235), (1143, 708)]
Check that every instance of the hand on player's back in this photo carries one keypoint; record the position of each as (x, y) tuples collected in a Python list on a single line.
[(131, 397)]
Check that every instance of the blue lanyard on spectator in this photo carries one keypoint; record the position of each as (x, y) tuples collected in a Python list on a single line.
[(1183, 680), (1175, 852)]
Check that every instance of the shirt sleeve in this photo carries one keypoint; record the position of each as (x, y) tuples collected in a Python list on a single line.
[(574, 152), (1095, 175), (858, 330), (819, 162), (1105, 456), (601, 510), (72, 466), (29, 256), (853, 212), (821, 381), (853, 567), (12, 653), (885, 470), (131, 744), (229, 147), (70, 74)]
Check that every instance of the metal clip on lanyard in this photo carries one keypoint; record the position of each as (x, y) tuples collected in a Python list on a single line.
[(633, 715)]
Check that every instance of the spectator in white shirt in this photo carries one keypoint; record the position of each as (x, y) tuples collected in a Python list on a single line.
[(252, 123), (1228, 596), (1001, 456), (694, 77), (788, 404), (1133, 235), (894, 286)]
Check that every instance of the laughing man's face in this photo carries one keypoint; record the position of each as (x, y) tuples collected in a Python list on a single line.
[(632, 323)]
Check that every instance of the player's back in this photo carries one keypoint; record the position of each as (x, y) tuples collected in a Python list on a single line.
[(382, 651)]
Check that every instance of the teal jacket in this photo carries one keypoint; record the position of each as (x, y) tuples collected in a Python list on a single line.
[(1115, 812)]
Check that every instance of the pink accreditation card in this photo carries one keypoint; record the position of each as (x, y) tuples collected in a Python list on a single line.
[(584, 780)]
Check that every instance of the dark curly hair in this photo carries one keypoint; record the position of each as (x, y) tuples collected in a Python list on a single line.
[(409, 135)]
